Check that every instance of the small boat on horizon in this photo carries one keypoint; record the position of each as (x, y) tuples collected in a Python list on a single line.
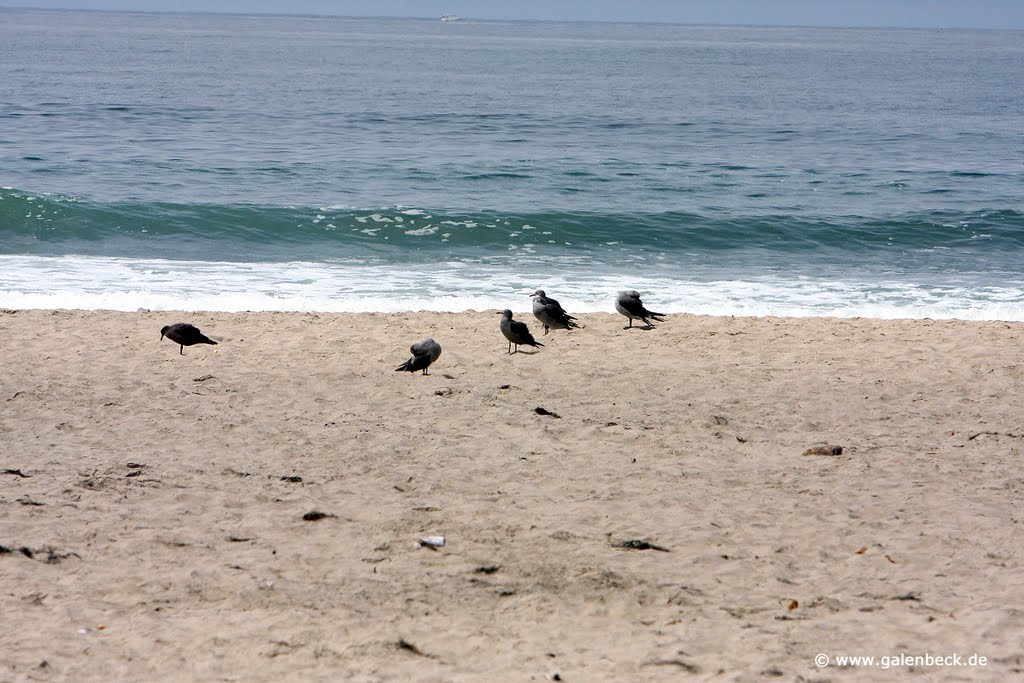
[(451, 16)]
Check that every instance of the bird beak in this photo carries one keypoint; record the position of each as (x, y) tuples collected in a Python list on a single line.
[(500, 312)]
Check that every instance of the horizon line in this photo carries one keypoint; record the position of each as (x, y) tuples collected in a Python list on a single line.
[(470, 20)]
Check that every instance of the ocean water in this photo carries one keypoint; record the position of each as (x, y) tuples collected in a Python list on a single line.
[(230, 162)]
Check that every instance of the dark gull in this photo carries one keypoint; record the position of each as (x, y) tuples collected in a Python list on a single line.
[(423, 354), (184, 335), (628, 303), (550, 313), (516, 331)]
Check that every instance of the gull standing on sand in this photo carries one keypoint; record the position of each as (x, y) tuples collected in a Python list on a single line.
[(184, 335), (550, 313), (516, 332), (423, 354), (628, 303)]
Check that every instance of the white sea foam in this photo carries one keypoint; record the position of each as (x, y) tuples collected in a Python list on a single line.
[(128, 284), (426, 230)]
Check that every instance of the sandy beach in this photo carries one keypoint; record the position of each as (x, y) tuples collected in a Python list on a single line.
[(662, 522)]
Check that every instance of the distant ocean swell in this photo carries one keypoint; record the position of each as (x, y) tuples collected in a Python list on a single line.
[(63, 252), (53, 225)]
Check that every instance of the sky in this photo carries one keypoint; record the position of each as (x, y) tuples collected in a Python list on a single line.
[(1005, 14)]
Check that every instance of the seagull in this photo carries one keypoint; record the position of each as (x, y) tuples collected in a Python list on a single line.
[(516, 332), (550, 313), (184, 335), (423, 354), (628, 304)]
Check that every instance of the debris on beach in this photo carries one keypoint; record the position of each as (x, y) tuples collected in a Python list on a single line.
[(972, 437), (404, 644), (432, 542), (824, 450), (316, 515), (18, 473), (912, 596), (638, 544), (544, 411), (682, 664), (46, 554), (292, 479)]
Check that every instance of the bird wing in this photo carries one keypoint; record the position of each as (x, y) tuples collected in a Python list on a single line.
[(633, 305), (430, 349), (519, 329), (559, 314)]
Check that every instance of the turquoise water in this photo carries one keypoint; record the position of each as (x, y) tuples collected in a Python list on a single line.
[(296, 163)]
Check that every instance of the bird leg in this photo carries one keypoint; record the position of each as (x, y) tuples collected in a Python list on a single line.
[(181, 350)]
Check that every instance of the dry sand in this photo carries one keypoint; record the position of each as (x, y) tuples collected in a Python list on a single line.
[(161, 498)]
